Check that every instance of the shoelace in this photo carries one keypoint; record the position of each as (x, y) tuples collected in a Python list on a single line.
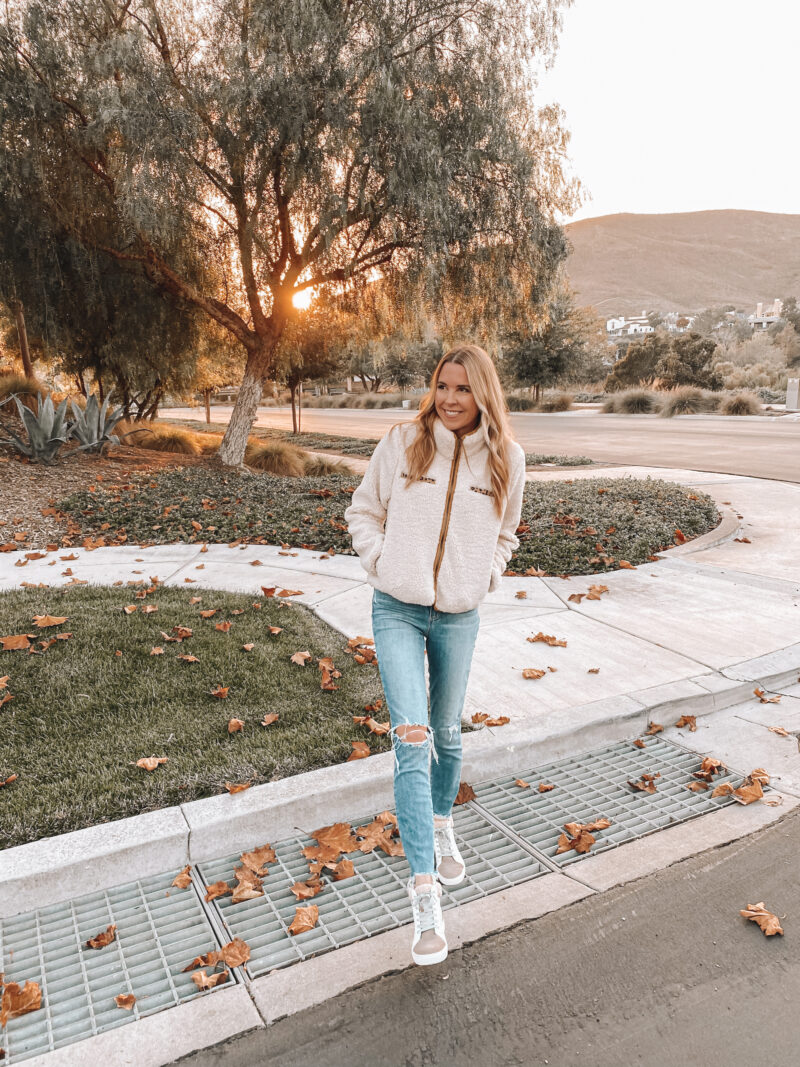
[(423, 909), (445, 840)]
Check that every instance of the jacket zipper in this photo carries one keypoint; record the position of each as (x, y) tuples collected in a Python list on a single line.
[(448, 506)]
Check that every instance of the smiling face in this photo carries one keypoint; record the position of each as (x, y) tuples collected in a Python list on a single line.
[(455, 404)]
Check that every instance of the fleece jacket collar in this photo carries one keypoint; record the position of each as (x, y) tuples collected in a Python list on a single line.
[(471, 442)]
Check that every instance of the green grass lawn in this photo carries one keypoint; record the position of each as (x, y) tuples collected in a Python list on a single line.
[(566, 520), (82, 715)]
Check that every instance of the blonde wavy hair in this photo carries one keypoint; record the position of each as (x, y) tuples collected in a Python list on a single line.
[(494, 425)]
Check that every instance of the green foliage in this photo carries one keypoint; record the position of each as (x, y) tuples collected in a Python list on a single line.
[(689, 361), (389, 136), (538, 355), (94, 424), (47, 430), (639, 363)]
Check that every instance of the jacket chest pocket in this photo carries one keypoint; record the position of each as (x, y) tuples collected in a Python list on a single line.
[(482, 491)]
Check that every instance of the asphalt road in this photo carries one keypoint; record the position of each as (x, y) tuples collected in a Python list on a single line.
[(662, 972), (763, 447)]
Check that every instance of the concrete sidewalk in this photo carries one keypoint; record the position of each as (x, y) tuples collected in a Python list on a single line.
[(691, 634)]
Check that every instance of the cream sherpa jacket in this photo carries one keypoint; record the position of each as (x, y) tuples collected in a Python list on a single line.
[(439, 542)]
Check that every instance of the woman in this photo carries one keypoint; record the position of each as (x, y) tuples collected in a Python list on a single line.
[(434, 524)]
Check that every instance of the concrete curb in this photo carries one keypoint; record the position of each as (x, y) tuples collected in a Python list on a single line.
[(59, 868), (159, 1039)]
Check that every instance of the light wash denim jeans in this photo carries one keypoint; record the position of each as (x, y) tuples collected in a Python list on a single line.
[(426, 773)]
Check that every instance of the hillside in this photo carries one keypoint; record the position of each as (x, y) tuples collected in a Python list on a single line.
[(686, 261)]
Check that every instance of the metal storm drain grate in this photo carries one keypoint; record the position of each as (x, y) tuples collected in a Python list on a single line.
[(370, 901), (159, 930), (594, 784)]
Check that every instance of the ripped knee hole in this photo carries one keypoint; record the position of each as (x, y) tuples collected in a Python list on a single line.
[(412, 734)]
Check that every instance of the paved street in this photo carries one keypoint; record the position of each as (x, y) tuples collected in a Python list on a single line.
[(662, 971), (764, 447)]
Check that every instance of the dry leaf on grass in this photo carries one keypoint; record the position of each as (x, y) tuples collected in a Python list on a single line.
[(768, 922), (7, 781), (465, 793), (104, 938), (189, 659), (248, 647), (220, 692), (371, 724), (360, 751), (301, 658), (235, 726), (269, 719), (125, 1000), (149, 763), (16, 642), (49, 620), (237, 787)]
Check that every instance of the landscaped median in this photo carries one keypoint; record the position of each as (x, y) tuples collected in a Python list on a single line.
[(585, 526)]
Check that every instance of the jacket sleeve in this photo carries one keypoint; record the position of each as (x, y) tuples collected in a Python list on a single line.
[(366, 515), (507, 539)]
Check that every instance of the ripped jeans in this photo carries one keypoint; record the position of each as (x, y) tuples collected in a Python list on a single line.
[(427, 772)]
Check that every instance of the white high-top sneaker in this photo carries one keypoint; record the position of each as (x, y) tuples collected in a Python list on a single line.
[(429, 944), (450, 866)]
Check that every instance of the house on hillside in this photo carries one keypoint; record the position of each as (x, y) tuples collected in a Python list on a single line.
[(762, 319), (628, 326)]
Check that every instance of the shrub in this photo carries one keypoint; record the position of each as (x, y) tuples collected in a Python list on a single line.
[(632, 402), (276, 457), (519, 403), (94, 423), (47, 430), (741, 404), (556, 402), (28, 390), (688, 400), (320, 466)]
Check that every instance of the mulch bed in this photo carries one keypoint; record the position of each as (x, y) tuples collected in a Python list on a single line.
[(29, 489)]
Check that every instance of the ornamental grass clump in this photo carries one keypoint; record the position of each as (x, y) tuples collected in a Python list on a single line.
[(632, 402), (556, 402), (688, 400), (161, 437), (741, 404), (275, 457)]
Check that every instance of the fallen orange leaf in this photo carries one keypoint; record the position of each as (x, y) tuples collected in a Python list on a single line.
[(465, 793), (149, 763), (533, 672), (522, 783), (499, 721), (305, 918), (125, 1000), (269, 719), (218, 889), (16, 642), (104, 938), (235, 725), (687, 720), (49, 620), (19, 1000), (220, 692), (762, 696), (548, 639), (360, 751), (653, 728), (545, 787), (301, 658), (209, 981), (290, 592), (240, 788), (768, 922), (184, 879), (248, 885)]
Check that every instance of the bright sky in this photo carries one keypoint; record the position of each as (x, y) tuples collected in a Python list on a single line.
[(682, 106)]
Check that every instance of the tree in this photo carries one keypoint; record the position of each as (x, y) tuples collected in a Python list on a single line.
[(536, 354), (639, 363), (308, 349), (234, 154), (218, 362), (689, 361)]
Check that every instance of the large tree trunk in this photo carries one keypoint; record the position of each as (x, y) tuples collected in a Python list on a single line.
[(25, 352), (207, 399), (233, 444)]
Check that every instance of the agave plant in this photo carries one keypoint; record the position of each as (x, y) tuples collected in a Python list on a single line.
[(47, 430), (94, 426)]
